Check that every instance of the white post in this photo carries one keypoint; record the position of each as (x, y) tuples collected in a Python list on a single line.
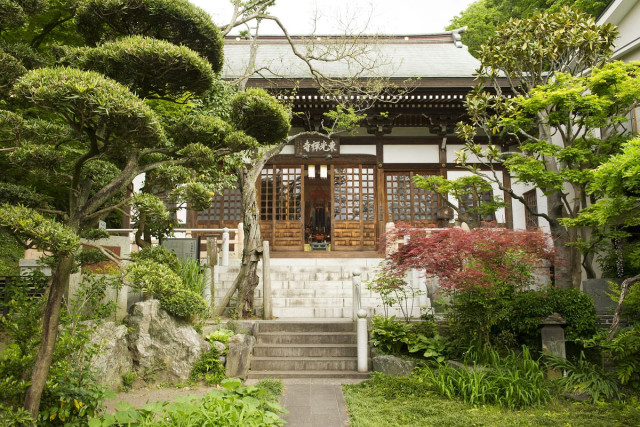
[(266, 282), (356, 293), (363, 344), (225, 247)]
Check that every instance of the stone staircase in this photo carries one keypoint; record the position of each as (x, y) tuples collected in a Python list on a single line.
[(310, 287), (305, 349)]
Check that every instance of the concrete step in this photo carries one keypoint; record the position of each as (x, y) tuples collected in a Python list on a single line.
[(296, 326), (304, 363), (306, 338), (305, 350), (308, 374), (312, 312)]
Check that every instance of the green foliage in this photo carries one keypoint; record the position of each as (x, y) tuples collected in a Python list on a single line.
[(10, 253), (176, 21), (484, 16), (585, 377), (158, 254), (577, 308), (417, 339), (234, 405), (127, 380), (208, 368), (513, 381), (192, 275), (394, 291), (273, 386), (388, 335), (164, 284), (624, 351), (220, 335), (91, 101), (12, 417), (260, 116), (72, 392), (44, 232), (149, 67)]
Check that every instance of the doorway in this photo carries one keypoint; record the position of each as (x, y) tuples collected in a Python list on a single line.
[(317, 210)]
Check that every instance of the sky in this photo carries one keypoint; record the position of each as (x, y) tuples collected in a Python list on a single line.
[(334, 16)]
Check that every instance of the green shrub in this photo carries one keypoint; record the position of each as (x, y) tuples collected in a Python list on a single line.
[(273, 387), (513, 381), (158, 254), (585, 377), (419, 339), (624, 351), (208, 368), (578, 309), (164, 284)]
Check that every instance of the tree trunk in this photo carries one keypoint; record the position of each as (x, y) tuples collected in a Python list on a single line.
[(626, 284), (247, 280), (50, 321)]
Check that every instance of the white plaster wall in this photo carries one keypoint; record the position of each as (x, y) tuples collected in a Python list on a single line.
[(500, 213), (452, 157), (629, 27), (411, 153), (358, 149)]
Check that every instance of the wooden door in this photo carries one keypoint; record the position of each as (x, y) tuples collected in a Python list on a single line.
[(354, 215), (281, 189)]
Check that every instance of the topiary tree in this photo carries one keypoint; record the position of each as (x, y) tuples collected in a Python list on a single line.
[(76, 132)]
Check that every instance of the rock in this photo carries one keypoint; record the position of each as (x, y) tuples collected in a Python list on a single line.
[(222, 360), (219, 346), (114, 360), (239, 356), (393, 365), (163, 347)]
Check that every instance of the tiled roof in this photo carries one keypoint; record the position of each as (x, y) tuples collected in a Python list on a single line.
[(426, 56)]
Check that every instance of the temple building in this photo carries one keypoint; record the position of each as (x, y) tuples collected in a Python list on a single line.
[(340, 193)]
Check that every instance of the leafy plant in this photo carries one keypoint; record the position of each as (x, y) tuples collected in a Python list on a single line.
[(585, 377), (208, 368), (221, 335), (192, 276), (127, 380), (233, 405), (389, 335), (429, 347), (10, 417), (624, 351), (514, 381), (394, 290)]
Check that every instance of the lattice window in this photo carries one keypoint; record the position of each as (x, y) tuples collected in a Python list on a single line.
[(288, 193), (368, 193), (346, 193), (531, 200), (408, 203), (266, 194), (225, 207), (473, 200)]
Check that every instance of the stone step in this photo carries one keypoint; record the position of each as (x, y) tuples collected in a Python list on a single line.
[(308, 374), (305, 350), (304, 363), (342, 312), (319, 326), (306, 338)]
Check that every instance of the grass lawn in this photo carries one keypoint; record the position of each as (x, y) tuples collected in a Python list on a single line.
[(389, 401)]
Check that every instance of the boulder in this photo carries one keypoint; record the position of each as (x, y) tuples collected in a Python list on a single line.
[(163, 347), (219, 346), (239, 356), (114, 359), (393, 365)]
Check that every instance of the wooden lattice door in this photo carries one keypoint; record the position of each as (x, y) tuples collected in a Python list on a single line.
[(354, 216), (281, 207)]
